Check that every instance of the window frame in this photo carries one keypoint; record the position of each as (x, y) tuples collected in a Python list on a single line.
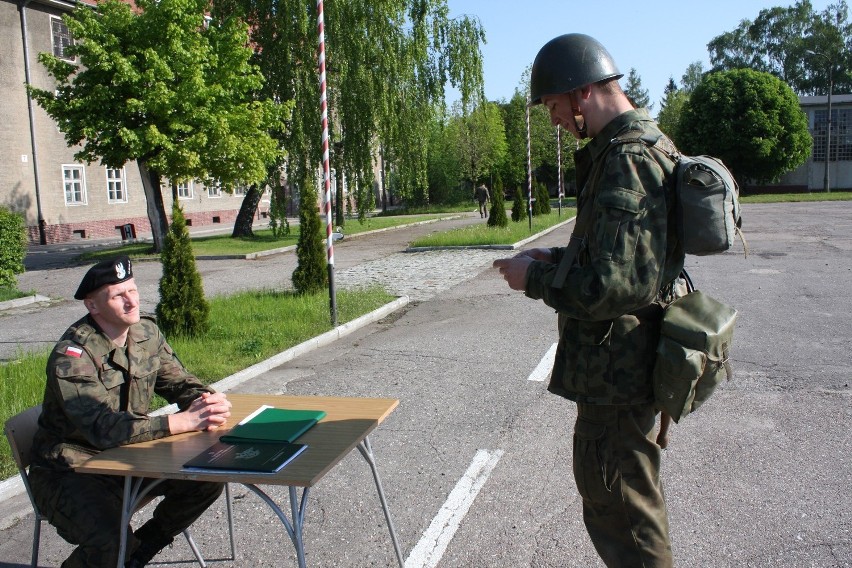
[(841, 135), (185, 191), (58, 41), (121, 181), (81, 181), (214, 189)]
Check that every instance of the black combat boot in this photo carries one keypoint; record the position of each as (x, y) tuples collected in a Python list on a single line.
[(152, 541)]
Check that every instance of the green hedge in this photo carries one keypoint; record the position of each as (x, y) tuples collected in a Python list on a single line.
[(13, 247)]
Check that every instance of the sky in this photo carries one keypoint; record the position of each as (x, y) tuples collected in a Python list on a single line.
[(659, 38)]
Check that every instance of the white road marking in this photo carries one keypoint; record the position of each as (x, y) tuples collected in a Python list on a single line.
[(432, 545), (545, 366)]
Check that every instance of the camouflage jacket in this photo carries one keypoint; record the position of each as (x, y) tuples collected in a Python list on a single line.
[(608, 318), (98, 395)]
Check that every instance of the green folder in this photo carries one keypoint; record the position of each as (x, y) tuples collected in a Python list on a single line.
[(268, 424)]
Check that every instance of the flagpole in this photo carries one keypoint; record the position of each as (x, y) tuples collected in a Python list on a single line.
[(529, 168), (325, 165)]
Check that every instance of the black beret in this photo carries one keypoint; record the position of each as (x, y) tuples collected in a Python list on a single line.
[(103, 273)]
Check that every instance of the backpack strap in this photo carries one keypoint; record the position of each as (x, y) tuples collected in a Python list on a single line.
[(581, 225)]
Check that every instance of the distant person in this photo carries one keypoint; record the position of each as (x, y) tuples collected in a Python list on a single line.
[(608, 287), (482, 197), (101, 378)]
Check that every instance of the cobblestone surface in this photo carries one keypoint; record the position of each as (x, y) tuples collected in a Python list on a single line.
[(420, 275)]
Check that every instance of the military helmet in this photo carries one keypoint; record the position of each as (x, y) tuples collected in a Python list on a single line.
[(569, 62)]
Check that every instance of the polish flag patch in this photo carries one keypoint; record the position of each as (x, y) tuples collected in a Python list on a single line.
[(73, 351)]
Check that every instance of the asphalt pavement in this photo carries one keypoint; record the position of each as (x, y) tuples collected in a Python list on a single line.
[(758, 477)]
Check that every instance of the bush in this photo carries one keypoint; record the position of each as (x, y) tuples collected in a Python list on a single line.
[(182, 310), (13, 247)]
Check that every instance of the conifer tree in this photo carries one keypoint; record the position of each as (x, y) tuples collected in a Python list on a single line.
[(311, 275), (497, 216), (543, 199), (536, 206), (182, 308), (518, 206)]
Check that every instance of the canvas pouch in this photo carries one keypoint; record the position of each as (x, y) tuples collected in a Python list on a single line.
[(693, 352)]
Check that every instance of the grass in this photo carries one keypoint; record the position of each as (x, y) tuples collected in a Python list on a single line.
[(220, 245), (797, 197), (246, 328), (481, 234), (7, 293)]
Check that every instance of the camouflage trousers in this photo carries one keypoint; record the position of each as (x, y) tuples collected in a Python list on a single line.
[(617, 470), (86, 511)]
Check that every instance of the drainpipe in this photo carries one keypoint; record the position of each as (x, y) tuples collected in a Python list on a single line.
[(22, 7)]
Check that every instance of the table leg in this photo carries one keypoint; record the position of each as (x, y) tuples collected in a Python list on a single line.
[(297, 511), (126, 514), (133, 496), (367, 451)]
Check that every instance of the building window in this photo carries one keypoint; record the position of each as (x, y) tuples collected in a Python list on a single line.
[(240, 190), (841, 135), (214, 188), (116, 185), (61, 38), (74, 181), (184, 190)]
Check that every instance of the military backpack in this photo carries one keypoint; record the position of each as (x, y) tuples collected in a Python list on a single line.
[(707, 198)]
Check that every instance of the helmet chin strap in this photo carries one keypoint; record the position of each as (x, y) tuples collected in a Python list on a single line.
[(582, 131)]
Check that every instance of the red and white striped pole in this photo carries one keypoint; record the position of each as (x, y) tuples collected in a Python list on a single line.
[(529, 168), (326, 196)]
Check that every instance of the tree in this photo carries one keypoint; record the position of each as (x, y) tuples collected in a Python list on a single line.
[(692, 76), (634, 91), (182, 308), (387, 67), (519, 206), (514, 168), (13, 247), (165, 88), (671, 109), (782, 41), (470, 149), (497, 215), (311, 274), (751, 120), (482, 143), (543, 198)]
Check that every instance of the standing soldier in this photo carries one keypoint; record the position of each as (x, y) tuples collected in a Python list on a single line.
[(482, 196), (607, 285), (101, 378)]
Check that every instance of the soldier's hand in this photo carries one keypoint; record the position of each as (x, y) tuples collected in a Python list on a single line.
[(514, 271), (216, 409), (542, 254), (207, 412)]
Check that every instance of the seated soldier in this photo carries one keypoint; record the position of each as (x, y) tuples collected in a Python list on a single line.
[(101, 378)]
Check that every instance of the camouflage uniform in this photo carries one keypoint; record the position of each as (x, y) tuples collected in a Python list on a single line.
[(609, 320), (97, 396)]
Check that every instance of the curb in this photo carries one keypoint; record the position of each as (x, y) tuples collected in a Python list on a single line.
[(18, 302), (13, 486), (514, 246)]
